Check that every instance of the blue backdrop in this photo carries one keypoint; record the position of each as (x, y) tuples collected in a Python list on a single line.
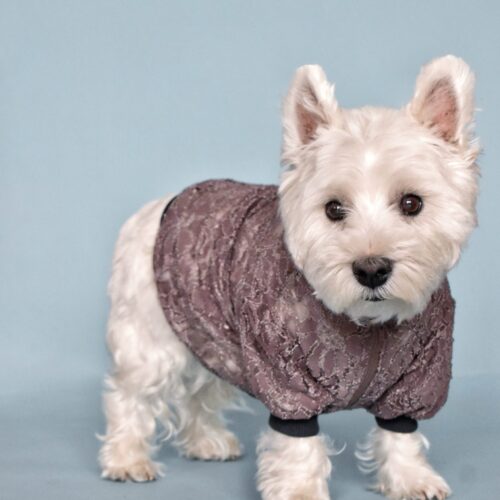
[(106, 104)]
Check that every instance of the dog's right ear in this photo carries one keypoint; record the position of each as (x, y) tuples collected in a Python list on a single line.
[(309, 106)]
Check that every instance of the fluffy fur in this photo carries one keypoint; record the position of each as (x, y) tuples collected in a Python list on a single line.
[(401, 468), (282, 458), (367, 159)]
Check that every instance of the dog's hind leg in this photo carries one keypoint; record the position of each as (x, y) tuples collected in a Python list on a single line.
[(146, 376), (203, 434), (128, 442), (148, 359), (154, 375)]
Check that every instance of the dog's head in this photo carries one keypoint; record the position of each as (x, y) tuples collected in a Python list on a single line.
[(377, 203)]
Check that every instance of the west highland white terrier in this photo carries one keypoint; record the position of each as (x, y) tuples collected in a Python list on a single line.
[(328, 292)]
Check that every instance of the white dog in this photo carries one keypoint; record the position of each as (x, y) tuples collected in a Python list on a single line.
[(326, 293)]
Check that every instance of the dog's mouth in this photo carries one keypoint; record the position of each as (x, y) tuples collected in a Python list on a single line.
[(373, 296), (379, 294)]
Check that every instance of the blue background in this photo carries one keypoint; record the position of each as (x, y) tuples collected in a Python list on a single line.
[(105, 105)]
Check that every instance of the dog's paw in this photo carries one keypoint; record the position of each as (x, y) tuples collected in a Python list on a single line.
[(317, 490), (142, 471), (309, 490), (223, 445), (424, 484)]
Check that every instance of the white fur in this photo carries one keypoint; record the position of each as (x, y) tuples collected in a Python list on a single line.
[(367, 158), (293, 468), (400, 465)]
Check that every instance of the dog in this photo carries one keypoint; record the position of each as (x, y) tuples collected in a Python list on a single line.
[(325, 293)]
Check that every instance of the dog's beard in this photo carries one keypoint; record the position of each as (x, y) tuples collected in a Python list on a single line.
[(365, 312)]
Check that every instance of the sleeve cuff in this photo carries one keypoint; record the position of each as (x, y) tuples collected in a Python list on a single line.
[(295, 428), (402, 424)]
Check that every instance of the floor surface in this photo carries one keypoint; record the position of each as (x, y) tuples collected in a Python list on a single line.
[(48, 449)]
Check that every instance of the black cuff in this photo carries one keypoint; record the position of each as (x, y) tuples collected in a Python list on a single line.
[(295, 428), (402, 424)]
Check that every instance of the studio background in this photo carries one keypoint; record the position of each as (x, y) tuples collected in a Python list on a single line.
[(105, 105)]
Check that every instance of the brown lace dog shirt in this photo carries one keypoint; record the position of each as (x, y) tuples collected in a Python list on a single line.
[(232, 294)]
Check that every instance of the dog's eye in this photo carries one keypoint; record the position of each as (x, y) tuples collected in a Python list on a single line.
[(335, 211), (411, 204)]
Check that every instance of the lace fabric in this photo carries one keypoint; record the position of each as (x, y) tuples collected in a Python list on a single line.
[(231, 292)]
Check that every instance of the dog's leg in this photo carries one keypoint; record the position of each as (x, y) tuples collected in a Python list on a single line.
[(128, 445), (401, 467), (203, 434), (148, 359), (293, 468), (147, 373)]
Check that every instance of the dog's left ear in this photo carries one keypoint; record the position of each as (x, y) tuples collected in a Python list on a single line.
[(309, 106), (444, 99)]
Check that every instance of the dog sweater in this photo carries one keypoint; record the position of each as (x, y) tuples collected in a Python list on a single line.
[(232, 294)]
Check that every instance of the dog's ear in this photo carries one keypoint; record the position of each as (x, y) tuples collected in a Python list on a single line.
[(444, 99), (309, 106)]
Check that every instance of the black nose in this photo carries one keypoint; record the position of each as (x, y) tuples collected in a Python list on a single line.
[(372, 271)]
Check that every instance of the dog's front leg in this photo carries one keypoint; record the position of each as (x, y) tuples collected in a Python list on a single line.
[(399, 461), (293, 461)]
